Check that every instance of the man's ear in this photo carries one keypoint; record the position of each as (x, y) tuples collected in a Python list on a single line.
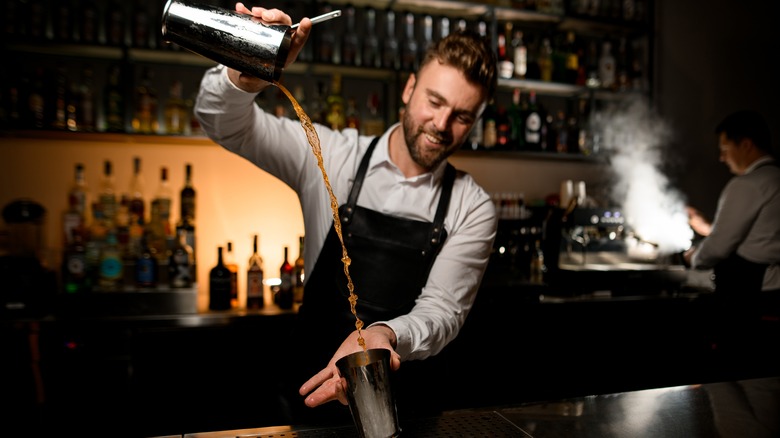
[(408, 89)]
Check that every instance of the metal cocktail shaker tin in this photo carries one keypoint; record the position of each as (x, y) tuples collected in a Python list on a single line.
[(239, 41)]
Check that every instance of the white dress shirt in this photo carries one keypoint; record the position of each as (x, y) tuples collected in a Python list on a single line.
[(279, 146)]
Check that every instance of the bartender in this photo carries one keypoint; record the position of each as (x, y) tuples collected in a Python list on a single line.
[(418, 232), (742, 244)]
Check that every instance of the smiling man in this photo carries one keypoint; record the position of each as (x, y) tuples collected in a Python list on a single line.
[(418, 232)]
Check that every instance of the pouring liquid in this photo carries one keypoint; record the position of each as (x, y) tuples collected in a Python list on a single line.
[(314, 142)]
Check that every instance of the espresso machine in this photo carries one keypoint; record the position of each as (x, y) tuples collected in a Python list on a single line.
[(595, 250)]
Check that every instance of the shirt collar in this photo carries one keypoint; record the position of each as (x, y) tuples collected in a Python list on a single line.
[(759, 162), (381, 158)]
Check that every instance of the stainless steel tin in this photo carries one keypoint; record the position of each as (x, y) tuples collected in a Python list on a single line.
[(236, 40)]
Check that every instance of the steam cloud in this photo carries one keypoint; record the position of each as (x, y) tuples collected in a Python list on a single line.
[(633, 137)]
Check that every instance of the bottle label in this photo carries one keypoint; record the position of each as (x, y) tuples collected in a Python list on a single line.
[(111, 268)]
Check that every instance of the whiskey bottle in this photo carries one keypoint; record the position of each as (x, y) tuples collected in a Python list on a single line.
[(219, 284), (146, 106), (75, 217), (137, 207), (159, 218), (176, 114), (283, 296), (254, 278), (506, 66), (544, 60), (336, 112), (114, 101), (230, 262), (298, 274)]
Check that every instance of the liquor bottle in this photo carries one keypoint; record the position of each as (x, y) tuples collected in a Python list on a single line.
[(502, 128), (409, 53), (111, 268), (572, 62), (373, 124), (254, 278), (89, 23), (520, 55), (283, 296), (146, 266), (352, 115), (137, 208), (327, 49), (390, 49), (560, 133), (219, 284), (230, 262), (351, 53), (298, 274), (515, 116), (176, 115), (544, 60), (86, 105), (37, 111), (75, 217), (114, 101), (61, 100), (606, 66), (159, 218), (74, 264), (107, 197), (372, 53), (427, 37), (444, 27), (180, 263), (336, 115), (146, 105), (537, 264), (489, 128), (187, 197), (506, 65), (533, 124), (622, 66), (141, 25), (115, 23)]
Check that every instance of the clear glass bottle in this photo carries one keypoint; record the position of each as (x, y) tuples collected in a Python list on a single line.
[(107, 196), (255, 297)]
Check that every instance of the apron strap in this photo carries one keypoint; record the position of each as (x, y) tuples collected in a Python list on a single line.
[(358, 184)]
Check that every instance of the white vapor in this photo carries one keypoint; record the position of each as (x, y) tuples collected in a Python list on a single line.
[(633, 138)]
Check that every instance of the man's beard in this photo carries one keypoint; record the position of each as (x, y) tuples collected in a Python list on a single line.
[(412, 133)]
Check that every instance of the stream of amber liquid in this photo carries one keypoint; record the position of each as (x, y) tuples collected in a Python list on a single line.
[(314, 142)]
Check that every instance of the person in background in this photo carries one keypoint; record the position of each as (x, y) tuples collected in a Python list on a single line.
[(742, 244), (418, 232)]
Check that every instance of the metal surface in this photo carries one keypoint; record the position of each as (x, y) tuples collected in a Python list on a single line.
[(744, 408), (239, 41), (320, 18)]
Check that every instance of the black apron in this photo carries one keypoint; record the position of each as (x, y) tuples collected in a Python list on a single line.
[(390, 261)]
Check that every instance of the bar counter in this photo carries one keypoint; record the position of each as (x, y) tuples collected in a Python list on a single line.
[(743, 408), (141, 374)]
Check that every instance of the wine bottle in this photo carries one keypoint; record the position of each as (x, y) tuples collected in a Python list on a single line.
[(284, 292), (219, 284), (180, 263), (298, 274), (230, 262), (254, 278)]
